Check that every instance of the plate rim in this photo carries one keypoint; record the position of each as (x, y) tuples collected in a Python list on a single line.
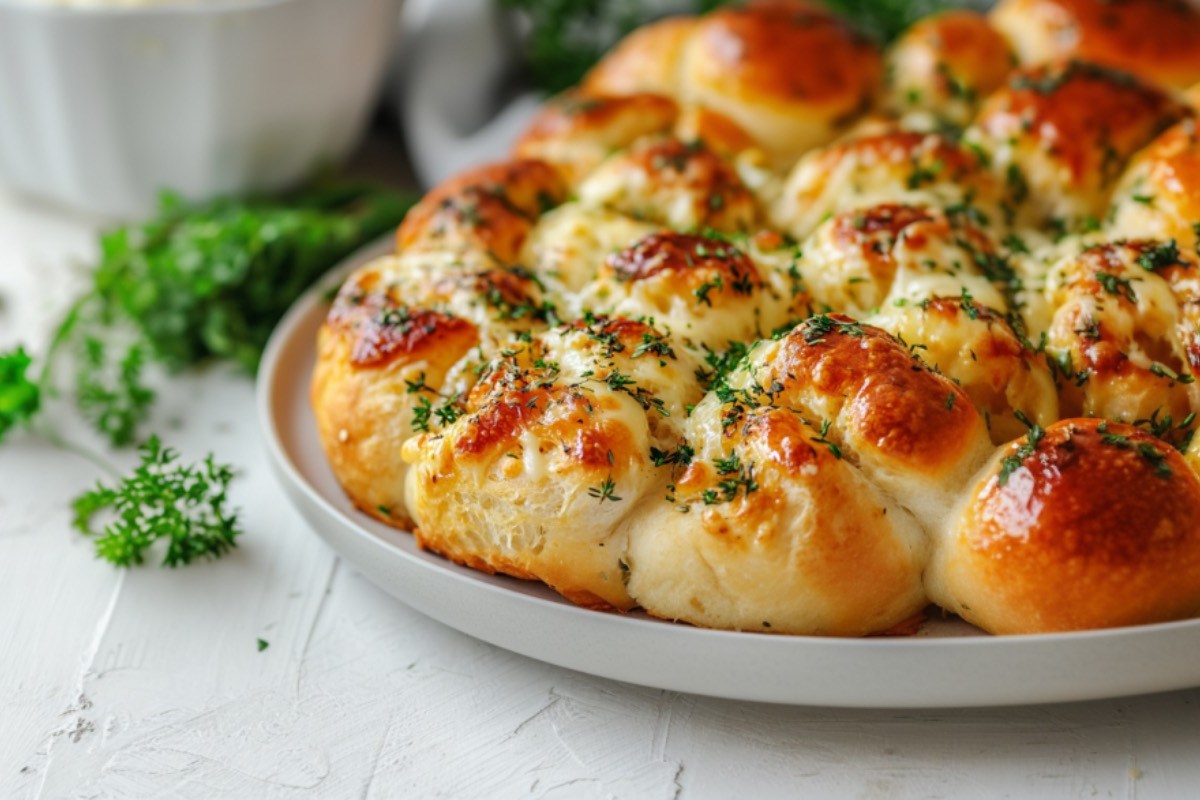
[(312, 502)]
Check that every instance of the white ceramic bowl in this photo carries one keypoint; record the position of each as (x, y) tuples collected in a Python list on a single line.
[(103, 108)]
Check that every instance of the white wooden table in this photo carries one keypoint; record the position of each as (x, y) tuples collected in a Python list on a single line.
[(149, 683)]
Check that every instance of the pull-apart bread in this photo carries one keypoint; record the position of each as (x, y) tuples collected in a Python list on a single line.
[(762, 328)]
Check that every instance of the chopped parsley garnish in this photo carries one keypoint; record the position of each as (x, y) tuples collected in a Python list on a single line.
[(680, 456), (1160, 256), (1116, 286), (605, 491), (1163, 371), (1014, 462)]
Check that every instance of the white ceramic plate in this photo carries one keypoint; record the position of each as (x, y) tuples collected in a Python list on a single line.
[(947, 664)]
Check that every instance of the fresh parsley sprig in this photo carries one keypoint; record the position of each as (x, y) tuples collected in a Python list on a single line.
[(20, 397), (162, 500)]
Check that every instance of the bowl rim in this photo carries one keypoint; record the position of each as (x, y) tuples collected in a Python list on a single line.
[(169, 8)]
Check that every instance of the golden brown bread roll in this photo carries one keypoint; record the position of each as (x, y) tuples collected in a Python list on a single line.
[(770, 531), (869, 258), (796, 511), (1059, 135), (1089, 524), (704, 290), (682, 185), (372, 350), (1159, 195), (945, 65), (576, 132), (1124, 331), (977, 348), (550, 453), (490, 209), (1155, 39), (789, 74), (890, 167)]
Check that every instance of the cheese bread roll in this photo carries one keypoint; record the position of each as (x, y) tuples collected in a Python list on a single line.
[(551, 452), (488, 210), (1159, 195), (576, 132), (944, 65), (790, 74), (1155, 39), (977, 348), (1060, 135), (706, 291), (1087, 524), (799, 503), (681, 185), (901, 167), (768, 530), (864, 259), (372, 351), (1124, 331)]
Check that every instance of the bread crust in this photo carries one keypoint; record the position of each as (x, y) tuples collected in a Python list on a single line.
[(1094, 527)]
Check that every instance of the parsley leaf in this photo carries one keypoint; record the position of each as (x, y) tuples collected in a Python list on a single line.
[(183, 505), (20, 398)]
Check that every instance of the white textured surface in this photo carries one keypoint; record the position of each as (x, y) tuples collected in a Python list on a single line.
[(149, 684)]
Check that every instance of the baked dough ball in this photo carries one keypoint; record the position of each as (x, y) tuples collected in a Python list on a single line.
[(1059, 135), (550, 454), (977, 348), (1123, 340), (490, 209), (575, 132), (705, 291), (789, 74), (570, 243), (770, 531), (893, 167), (681, 185), (1089, 524), (887, 412), (793, 507), (1155, 39), (944, 65), (1159, 195), (378, 360), (647, 60), (862, 260)]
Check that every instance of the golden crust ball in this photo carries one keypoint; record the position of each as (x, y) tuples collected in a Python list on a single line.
[(977, 348), (945, 65), (890, 167), (912, 432), (550, 453), (788, 74), (670, 182), (370, 352), (767, 530), (1089, 525), (1155, 39), (1124, 331), (867, 259), (576, 132), (490, 209), (704, 290), (1061, 134), (1159, 195)]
